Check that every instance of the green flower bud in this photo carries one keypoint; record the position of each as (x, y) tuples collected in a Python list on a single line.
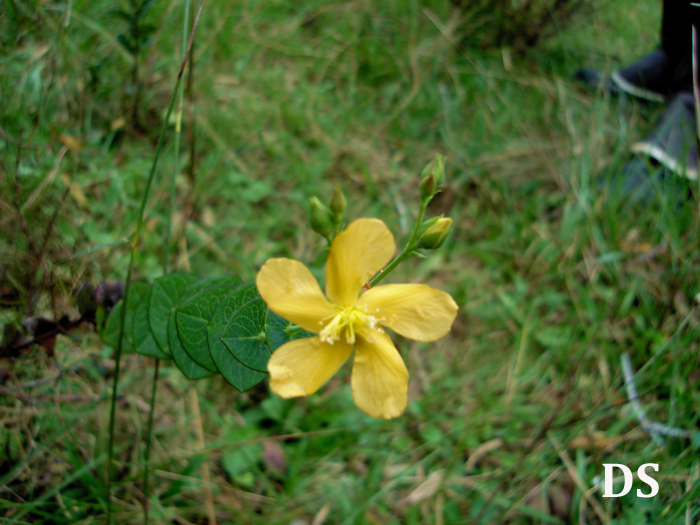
[(433, 232), (320, 218), (432, 177), (338, 202)]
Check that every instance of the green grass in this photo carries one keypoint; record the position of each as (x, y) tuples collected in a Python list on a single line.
[(555, 278)]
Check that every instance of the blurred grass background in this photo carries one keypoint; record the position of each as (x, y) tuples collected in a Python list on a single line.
[(510, 417)]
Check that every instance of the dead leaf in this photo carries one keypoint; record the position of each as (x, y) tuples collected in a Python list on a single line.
[(322, 515), (37, 331), (106, 294), (596, 442), (74, 145), (425, 490), (391, 471), (481, 451), (536, 499), (274, 457), (5, 368), (560, 497), (44, 332), (208, 217), (642, 247), (227, 79), (118, 124)]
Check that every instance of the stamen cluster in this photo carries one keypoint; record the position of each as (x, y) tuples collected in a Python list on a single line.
[(348, 322)]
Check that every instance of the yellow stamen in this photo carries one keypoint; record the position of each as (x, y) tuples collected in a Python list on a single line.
[(348, 322)]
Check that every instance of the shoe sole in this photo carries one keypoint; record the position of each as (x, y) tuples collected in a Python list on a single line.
[(635, 91)]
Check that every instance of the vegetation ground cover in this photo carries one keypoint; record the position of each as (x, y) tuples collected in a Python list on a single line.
[(557, 276)]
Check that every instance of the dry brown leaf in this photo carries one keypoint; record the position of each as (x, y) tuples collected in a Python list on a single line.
[(322, 515), (560, 497), (391, 471), (481, 451), (634, 247), (118, 124), (536, 499), (273, 455), (425, 490), (74, 145)]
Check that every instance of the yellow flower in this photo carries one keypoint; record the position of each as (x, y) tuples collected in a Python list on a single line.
[(346, 320)]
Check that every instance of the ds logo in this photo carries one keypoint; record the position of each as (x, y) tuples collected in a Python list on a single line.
[(641, 474)]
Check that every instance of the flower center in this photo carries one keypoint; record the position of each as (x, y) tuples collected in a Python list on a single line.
[(348, 322)]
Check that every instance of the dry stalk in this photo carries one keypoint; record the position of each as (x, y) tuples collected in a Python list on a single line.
[(194, 406)]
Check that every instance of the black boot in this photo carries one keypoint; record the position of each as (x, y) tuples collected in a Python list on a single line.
[(673, 142), (666, 157), (653, 77)]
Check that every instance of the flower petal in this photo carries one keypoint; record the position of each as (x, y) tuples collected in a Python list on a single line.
[(379, 377), (290, 291), (359, 252), (300, 367), (415, 311)]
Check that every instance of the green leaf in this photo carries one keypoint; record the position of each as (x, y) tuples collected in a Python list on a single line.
[(144, 341), (238, 464), (242, 377), (165, 295), (236, 373), (136, 294), (280, 331), (182, 359), (110, 335), (193, 317), (227, 308), (245, 335)]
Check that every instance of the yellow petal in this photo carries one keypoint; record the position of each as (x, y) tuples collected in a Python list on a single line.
[(359, 252), (415, 311), (290, 291), (379, 377), (300, 367)]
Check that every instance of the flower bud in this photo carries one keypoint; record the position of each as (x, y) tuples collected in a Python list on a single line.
[(432, 177), (338, 202), (433, 232), (320, 218)]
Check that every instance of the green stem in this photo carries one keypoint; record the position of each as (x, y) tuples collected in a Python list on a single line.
[(178, 134), (408, 249), (115, 384), (127, 287)]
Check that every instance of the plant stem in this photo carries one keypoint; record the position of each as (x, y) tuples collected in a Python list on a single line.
[(147, 457), (127, 287), (117, 363), (191, 172), (408, 249), (178, 134), (206, 475)]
